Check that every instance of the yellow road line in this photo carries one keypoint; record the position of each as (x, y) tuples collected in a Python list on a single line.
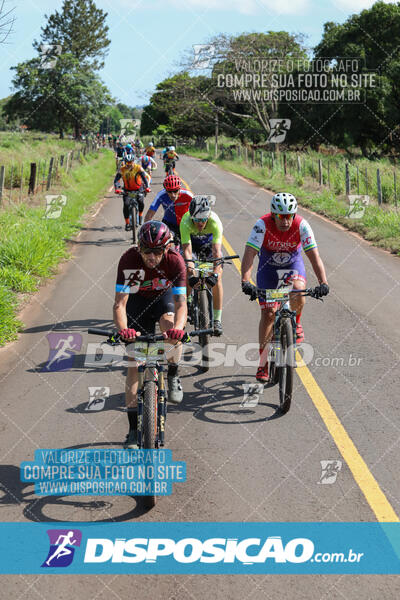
[(367, 483)]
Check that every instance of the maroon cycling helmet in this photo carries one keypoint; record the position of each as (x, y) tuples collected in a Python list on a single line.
[(172, 183), (154, 234)]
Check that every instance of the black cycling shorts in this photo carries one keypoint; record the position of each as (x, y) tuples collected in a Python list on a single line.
[(144, 312)]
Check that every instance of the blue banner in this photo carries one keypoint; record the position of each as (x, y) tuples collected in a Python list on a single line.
[(190, 548)]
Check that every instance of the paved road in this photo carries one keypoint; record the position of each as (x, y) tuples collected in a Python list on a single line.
[(243, 464)]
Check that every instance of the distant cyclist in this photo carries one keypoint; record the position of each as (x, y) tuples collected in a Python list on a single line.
[(170, 158), (148, 163), (175, 202), (155, 292), (119, 154), (134, 178), (201, 231), (277, 238), (150, 150)]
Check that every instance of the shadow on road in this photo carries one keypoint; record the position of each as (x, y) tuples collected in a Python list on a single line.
[(221, 400), (79, 325), (15, 492)]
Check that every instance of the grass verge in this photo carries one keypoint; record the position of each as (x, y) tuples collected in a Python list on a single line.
[(31, 246), (379, 225)]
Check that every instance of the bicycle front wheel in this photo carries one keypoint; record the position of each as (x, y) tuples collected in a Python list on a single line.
[(286, 366), (203, 324), (149, 427), (134, 225)]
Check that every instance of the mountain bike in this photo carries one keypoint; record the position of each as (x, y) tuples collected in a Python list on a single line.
[(169, 167), (200, 309), (152, 406), (134, 212), (282, 348)]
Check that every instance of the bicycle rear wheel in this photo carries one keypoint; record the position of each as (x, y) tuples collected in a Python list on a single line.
[(149, 427), (286, 367), (203, 324)]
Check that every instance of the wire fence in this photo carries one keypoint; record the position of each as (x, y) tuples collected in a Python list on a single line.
[(358, 177), (19, 181)]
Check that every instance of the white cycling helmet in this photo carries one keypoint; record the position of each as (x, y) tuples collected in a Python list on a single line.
[(172, 147), (284, 204), (199, 207)]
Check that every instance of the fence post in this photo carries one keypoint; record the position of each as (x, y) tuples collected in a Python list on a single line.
[(11, 180), (2, 174), (252, 157), (21, 183), (246, 153), (50, 173), (298, 164), (262, 159), (272, 161), (329, 173), (395, 188), (358, 182), (32, 179), (285, 163), (366, 181), (320, 172), (379, 186), (61, 160), (347, 180)]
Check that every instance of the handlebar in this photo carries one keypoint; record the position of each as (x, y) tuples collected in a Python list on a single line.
[(220, 258), (114, 338), (306, 292)]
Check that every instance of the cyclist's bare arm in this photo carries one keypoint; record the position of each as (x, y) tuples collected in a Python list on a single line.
[(317, 265), (217, 253), (149, 215), (180, 311), (187, 255), (119, 310), (247, 262)]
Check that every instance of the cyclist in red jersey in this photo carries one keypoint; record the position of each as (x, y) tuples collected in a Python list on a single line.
[(151, 288)]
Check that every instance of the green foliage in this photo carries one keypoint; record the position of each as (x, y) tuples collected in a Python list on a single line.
[(31, 246), (68, 95), (81, 31)]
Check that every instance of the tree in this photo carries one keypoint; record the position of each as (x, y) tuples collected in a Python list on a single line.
[(373, 36), (80, 30), (64, 97)]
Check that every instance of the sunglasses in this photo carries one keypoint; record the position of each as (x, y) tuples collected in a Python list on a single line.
[(173, 191), (155, 251), (283, 217), (200, 220)]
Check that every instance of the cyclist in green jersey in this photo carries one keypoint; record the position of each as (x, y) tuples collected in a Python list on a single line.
[(201, 232)]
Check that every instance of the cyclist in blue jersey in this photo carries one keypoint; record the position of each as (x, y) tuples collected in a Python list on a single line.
[(175, 202)]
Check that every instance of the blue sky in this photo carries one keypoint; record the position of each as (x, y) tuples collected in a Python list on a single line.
[(148, 38)]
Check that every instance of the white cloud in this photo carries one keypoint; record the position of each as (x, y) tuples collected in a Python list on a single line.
[(355, 6), (284, 7)]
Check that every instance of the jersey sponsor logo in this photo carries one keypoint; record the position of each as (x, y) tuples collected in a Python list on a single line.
[(258, 229), (280, 245), (281, 258)]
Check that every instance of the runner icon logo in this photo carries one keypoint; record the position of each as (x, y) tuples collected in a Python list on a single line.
[(62, 350), (330, 470), (278, 130), (97, 398), (62, 547)]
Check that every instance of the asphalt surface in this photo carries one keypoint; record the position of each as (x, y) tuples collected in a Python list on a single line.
[(243, 463)]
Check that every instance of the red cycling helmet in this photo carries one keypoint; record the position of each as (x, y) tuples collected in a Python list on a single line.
[(154, 234), (172, 183)]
